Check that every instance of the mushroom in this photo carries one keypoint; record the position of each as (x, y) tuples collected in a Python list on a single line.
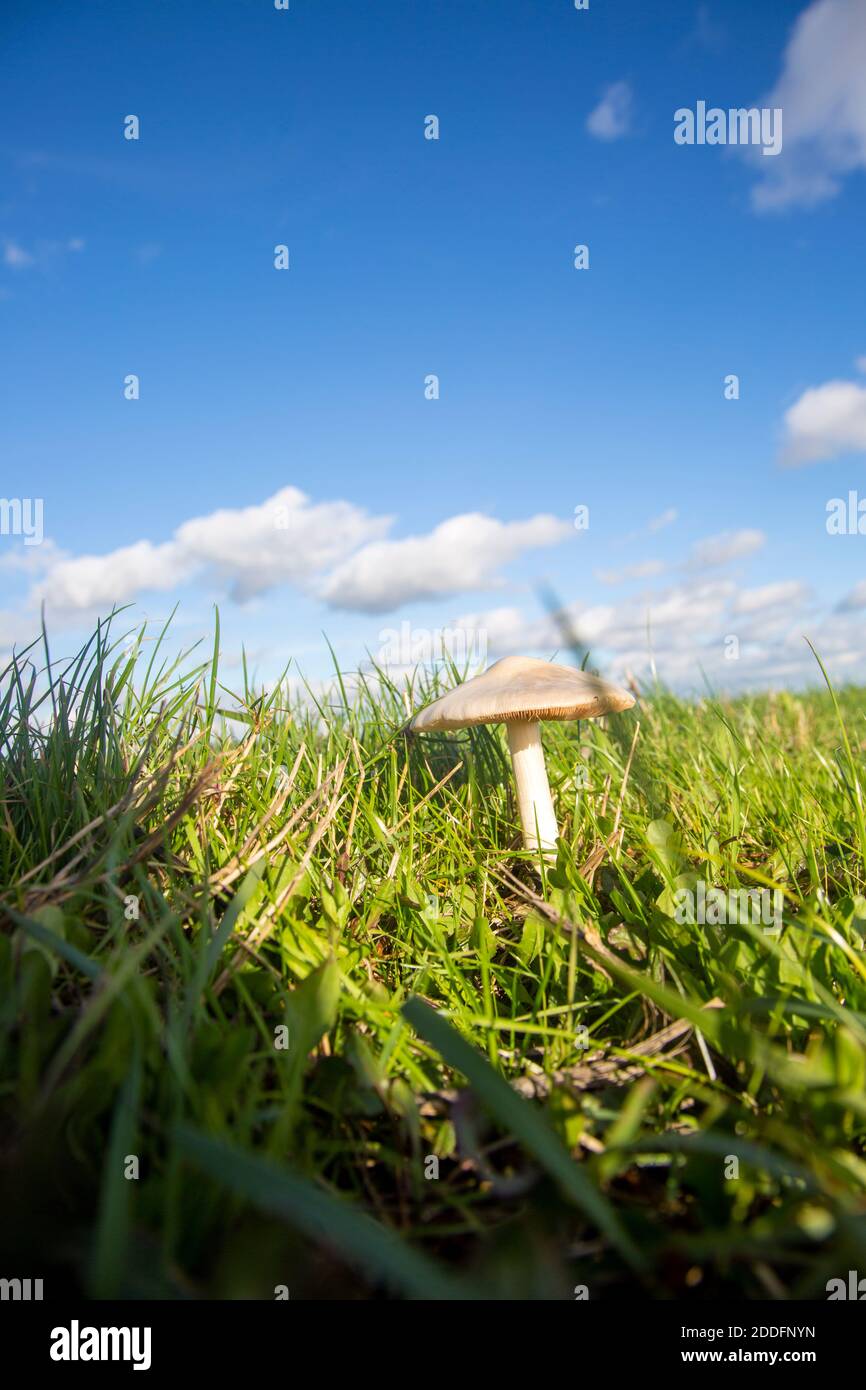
[(520, 691)]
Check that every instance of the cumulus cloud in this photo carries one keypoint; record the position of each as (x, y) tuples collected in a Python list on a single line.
[(667, 518), (655, 524), (727, 546), (332, 550), (855, 599), (14, 628), (825, 422), (788, 592), (31, 559), (611, 118), (710, 553), (646, 569), (461, 554), (285, 540), (822, 93), (507, 631), (100, 581), (684, 634), (682, 613)]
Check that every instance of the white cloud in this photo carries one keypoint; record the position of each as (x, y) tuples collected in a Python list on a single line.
[(334, 551), (727, 546), (508, 630), (647, 569), (826, 421), (286, 539), (682, 614), (855, 599), (655, 524), (459, 555), (822, 93), (611, 119), (43, 255), (15, 256), (684, 633), (786, 593), (15, 627), (100, 581), (31, 559), (658, 523)]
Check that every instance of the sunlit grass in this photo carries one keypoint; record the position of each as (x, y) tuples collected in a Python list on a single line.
[(189, 869)]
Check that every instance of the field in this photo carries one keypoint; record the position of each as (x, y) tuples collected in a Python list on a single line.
[(287, 1011)]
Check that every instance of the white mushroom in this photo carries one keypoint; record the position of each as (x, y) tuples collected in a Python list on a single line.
[(520, 692)]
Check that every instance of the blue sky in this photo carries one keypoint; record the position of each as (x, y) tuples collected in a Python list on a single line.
[(408, 257)]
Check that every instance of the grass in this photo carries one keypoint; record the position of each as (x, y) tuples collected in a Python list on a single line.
[(284, 1007)]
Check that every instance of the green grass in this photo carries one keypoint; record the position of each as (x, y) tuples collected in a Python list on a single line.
[(283, 962)]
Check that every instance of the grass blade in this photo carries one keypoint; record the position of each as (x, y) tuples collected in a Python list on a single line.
[(379, 1252), (524, 1122)]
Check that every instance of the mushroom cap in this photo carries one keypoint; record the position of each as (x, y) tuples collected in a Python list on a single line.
[(520, 688)]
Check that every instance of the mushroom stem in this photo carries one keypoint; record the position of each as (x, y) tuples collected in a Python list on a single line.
[(533, 789)]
